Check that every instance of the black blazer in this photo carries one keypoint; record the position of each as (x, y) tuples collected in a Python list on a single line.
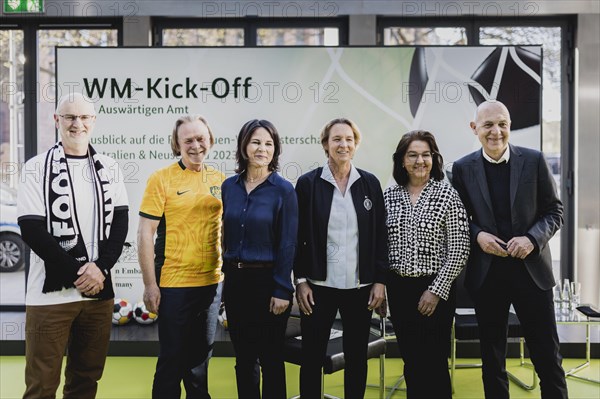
[(315, 196), (536, 211)]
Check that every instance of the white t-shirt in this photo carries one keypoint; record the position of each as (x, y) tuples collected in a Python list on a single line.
[(31, 203)]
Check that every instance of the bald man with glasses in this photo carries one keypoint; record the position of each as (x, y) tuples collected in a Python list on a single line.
[(73, 213)]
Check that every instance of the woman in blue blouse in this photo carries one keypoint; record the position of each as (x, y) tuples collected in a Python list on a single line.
[(260, 221), (428, 246), (342, 258)]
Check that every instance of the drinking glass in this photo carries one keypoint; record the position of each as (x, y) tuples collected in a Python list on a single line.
[(566, 296), (557, 297), (575, 294)]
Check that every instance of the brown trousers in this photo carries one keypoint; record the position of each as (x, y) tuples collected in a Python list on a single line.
[(83, 329)]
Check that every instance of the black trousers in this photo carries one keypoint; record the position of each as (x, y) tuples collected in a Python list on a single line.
[(424, 341), (506, 283), (257, 334), (187, 324), (356, 319)]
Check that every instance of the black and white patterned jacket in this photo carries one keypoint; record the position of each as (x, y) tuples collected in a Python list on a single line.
[(429, 238)]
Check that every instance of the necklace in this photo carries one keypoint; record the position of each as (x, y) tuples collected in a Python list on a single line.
[(256, 180), (259, 173)]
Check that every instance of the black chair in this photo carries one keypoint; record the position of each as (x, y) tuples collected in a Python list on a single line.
[(465, 328), (334, 359)]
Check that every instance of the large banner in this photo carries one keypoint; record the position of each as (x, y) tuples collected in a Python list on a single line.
[(139, 93)]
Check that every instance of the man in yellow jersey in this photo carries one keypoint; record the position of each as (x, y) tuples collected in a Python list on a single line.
[(182, 269)]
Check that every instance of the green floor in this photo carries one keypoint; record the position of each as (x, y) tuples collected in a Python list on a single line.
[(131, 378)]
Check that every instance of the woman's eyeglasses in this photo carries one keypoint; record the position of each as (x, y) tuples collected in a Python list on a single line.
[(414, 157)]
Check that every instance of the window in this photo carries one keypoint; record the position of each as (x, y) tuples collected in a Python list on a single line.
[(12, 60), (27, 65), (551, 35), (203, 37), (451, 36), (250, 32), (297, 37), (47, 41), (550, 38)]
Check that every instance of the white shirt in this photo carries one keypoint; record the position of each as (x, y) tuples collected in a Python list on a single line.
[(342, 236), (504, 158), (31, 202)]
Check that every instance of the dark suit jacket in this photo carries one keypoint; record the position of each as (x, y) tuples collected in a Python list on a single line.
[(315, 196), (536, 211)]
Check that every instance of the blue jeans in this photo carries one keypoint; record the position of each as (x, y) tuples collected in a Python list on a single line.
[(187, 324)]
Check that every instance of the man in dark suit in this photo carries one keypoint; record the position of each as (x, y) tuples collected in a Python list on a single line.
[(514, 210)]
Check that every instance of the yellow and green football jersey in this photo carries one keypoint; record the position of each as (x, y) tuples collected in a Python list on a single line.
[(188, 243)]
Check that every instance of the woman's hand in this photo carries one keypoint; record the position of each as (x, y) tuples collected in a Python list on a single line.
[(304, 296), (377, 296), (278, 306), (428, 303)]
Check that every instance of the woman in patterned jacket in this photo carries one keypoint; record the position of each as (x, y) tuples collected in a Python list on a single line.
[(428, 238)]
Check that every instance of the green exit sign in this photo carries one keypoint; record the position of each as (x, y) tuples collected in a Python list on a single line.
[(23, 6)]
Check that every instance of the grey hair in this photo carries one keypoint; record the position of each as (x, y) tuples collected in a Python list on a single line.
[(188, 119)]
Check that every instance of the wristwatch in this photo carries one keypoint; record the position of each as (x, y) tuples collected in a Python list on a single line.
[(299, 280)]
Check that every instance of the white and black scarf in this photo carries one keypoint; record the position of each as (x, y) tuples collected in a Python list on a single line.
[(61, 209)]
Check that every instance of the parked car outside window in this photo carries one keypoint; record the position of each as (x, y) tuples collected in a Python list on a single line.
[(12, 247)]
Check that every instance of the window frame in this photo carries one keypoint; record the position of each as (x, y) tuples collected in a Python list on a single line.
[(250, 25), (568, 25), (429, 22), (30, 27)]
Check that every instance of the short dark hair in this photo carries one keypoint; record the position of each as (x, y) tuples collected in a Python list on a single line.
[(244, 137), (188, 119), (437, 167)]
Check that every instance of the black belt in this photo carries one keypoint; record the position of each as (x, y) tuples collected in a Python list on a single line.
[(255, 265)]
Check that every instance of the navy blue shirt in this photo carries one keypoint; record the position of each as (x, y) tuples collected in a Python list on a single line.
[(262, 227)]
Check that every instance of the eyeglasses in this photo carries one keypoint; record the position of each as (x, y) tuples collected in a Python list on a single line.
[(414, 157), (82, 118)]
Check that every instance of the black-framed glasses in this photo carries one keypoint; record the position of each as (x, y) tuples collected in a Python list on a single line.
[(82, 118), (413, 156)]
